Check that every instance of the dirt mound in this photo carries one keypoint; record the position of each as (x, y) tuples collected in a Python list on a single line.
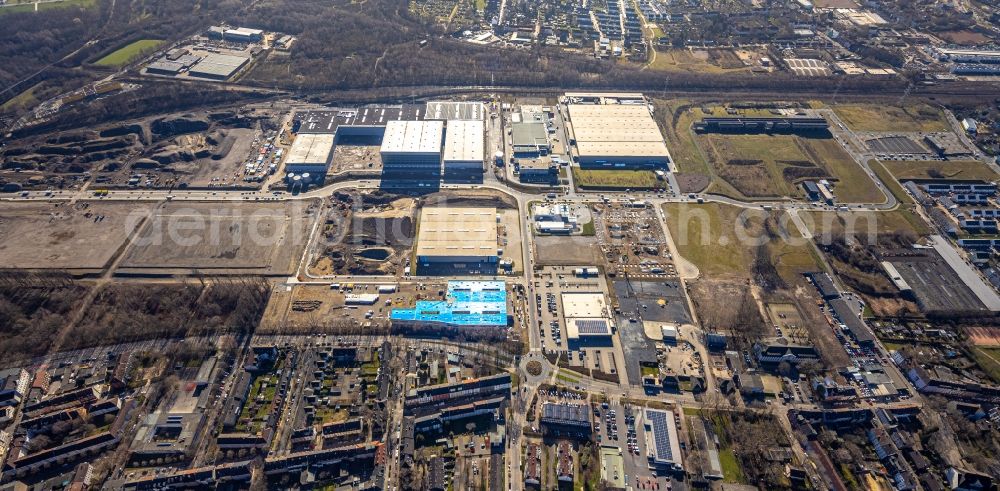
[(178, 126), (223, 145), (794, 174), (744, 162), (71, 137), (171, 154), (128, 129), (145, 164), (692, 183)]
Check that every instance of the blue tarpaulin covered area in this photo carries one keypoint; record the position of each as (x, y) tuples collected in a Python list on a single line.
[(468, 303)]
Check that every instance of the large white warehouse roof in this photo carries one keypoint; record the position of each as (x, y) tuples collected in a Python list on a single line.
[(457, 232), (610, 130), (463, 141), (413, 137)]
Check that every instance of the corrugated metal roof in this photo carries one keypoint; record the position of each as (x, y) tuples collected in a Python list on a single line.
[(412, 137), (463, 141)]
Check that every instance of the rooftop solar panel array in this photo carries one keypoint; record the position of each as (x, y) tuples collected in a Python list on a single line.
[(661, 434), (593, 326)]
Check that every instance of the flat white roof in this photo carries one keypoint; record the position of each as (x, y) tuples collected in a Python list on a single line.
[(585, 305), (311, 149), (623, 149), (422, 137), (586, 314), (457, 232), (463, 141), (616, 130), (609, 95), (245, 31)]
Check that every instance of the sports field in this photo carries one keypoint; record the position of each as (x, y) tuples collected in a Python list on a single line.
[(129, 53)]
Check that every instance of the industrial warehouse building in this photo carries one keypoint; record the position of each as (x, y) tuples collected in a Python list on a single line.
[(663, 449), (238, 34), (310, 153), (588, 319), (794, 125), (469, 305), (217, 66), (464, 147), (529, 139), (455, 111), (412, 146), (416, 147), (458, 241), (616, 136)]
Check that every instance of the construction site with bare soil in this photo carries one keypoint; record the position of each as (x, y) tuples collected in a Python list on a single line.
[(370, 234), (373, 233)]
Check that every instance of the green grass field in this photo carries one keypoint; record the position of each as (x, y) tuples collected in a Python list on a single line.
[(988, 360), (912, 118), (22, 100), (955, 169), (23, 6), (127, 54), (620, 179), (784, 161), (731, 470), (680, 139), (566, 378), (853, 183), (712, 237), (687, 60), (832, 223), (890, 182)]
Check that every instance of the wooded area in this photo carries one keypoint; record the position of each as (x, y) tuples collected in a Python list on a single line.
[(35, 309), (125, 312), (32, 311)]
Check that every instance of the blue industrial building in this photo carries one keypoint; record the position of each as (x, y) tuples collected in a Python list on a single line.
[(467, 304)]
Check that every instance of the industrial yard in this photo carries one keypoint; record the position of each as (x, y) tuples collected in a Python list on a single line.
[(84, 236), (502, 292), (238, 239)]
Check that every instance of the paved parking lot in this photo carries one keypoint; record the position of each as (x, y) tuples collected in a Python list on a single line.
[(621, 426)]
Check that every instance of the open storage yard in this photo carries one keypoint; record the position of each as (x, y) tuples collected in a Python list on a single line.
[(80, 238), (233, 238)]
